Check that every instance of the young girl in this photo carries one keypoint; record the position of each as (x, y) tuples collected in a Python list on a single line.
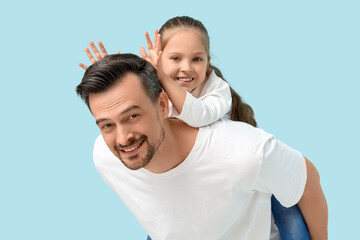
[(199, 94)]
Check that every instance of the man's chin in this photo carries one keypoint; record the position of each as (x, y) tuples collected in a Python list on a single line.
[(138, 160), (134, 164)]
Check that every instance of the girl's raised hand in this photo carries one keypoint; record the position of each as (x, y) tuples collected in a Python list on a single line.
[(96, 52), (154, 49)]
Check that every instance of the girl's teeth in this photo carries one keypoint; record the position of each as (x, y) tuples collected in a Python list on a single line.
[(185, 79)]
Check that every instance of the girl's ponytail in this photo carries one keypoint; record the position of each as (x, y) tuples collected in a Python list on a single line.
[(240, 111)]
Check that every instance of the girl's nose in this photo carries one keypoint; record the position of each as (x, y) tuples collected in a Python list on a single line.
[(186, 66)]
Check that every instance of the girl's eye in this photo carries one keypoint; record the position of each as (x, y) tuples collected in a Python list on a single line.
[(197, 59), (175, 58)]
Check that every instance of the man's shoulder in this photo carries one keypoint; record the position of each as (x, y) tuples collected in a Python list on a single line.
[(99, 143), (229, 126), (237, 133), (101, 150)]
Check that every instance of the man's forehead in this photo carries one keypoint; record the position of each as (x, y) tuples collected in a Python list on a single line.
[(126, 91)]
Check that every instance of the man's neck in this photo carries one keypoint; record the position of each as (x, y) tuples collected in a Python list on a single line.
[(178, 142)]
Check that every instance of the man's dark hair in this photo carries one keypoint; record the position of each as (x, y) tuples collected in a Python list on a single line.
[(105, 73)]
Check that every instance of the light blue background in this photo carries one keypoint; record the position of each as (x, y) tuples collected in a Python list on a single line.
[(295, 62)]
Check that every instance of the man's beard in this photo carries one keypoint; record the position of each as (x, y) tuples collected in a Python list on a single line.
[(147, 158)]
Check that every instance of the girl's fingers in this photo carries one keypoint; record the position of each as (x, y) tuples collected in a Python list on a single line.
[(96, 52), (155, 39), (158, 43), (148, 41), (90, 56), (83, 66), (118, 52), (143, 53), (102, 49)]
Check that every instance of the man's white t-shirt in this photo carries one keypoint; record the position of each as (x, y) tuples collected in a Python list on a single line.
[(222, 190)]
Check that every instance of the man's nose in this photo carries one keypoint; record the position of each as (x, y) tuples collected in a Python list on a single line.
[(124, 136)]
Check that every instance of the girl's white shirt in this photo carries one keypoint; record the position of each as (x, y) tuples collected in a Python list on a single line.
[(206, 104)]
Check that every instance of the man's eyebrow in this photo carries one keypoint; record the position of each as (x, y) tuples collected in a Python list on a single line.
[(101, 120), (129, 109), (122, 113)]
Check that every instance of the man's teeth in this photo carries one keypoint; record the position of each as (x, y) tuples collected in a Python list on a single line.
[(131, 149)]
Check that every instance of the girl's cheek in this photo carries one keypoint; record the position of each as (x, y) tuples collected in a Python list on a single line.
[(169, 69)]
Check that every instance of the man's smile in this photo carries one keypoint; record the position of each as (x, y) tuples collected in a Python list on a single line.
[(132, 149)]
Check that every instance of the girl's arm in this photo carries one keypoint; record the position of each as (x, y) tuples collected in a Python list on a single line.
[(213, 103), (313, 205)]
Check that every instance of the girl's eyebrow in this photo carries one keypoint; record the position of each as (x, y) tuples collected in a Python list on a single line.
[(173, 52), (180, 53), (200, 53)]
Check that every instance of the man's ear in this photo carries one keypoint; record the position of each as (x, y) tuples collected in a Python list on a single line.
[(164, 104)]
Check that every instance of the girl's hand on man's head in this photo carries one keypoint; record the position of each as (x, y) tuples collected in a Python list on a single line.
[(98, 55)]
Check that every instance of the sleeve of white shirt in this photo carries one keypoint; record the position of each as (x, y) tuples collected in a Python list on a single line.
[(283, 172), (209, 107)]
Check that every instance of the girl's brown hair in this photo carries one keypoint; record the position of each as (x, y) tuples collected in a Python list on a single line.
[(240, 111)]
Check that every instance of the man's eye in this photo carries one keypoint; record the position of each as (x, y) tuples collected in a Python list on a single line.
[(106, 126), (133, 116)]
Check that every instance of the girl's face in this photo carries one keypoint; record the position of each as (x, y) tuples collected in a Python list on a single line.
[(185, 59)]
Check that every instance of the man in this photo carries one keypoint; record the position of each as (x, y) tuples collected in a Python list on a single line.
[(188, 183)]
